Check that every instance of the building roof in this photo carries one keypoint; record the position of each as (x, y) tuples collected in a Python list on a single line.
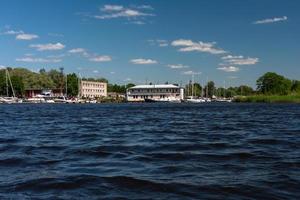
[(168, 86)]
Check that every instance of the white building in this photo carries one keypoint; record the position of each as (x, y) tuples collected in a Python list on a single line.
[(93, 89), (167, 92)]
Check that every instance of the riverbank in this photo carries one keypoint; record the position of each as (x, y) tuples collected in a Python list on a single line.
[(268, 99)]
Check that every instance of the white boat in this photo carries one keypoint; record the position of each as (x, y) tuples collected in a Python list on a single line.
[(61, 99), (195, 100), (7, 98), (36, 100)]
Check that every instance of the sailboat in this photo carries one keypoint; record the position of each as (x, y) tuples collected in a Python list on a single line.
[(7, 98), (192, 99)]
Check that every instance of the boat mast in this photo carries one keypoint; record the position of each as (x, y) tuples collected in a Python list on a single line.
[(207, 87), (67, 85), (192, 86), (9, 80), (6, 80)]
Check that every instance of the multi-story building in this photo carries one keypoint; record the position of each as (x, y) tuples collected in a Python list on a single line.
[(93, 89), (167, 92)]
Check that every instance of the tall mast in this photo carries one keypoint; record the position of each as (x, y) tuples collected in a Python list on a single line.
[(192, 86), (6, 80), (67, 85), (207, 87), (224, 90), (10, 83)]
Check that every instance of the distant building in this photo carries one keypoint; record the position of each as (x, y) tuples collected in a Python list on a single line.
[(93, 89), (166, 92)]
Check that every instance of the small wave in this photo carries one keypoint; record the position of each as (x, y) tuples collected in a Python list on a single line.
[(9, 162)]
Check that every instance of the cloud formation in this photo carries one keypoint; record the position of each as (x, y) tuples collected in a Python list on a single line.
[(142, 61), (77, 50), (271, 20), (136, 13), (239, 60), (159, 42), (191, 73), (38, 60), (25, 36), (12, 32), (189, 45), (48, 47), (103, 58), (178, 66), (229, 69)]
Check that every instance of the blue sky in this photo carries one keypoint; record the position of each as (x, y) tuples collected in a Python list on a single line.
[(158, 41)]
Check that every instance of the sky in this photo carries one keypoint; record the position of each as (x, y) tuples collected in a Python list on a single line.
[(231, 42)]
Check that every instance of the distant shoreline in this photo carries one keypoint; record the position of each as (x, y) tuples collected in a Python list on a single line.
[(268, 99)]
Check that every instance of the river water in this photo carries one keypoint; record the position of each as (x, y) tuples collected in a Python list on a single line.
[(150, 151)]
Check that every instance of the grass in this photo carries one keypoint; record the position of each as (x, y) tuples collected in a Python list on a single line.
[(293, 98)]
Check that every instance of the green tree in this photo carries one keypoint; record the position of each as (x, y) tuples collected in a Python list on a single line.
[(245, 90), (72, 86), (271, 84), (295, 86), (209, 89), (18, 86)]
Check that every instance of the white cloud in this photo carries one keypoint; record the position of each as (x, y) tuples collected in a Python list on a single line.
[(112, 72), (38, 60), (229, 69), (2, 67), (12, 32), (103, 58), (25, 36), (119, 11), (232, 77), (142, 61), (47, 47), (239, 60), (271, 20), (95, 71), (110, 8), (178, 66), (77, 50), (189, 45), (159, 42), (191, 73)]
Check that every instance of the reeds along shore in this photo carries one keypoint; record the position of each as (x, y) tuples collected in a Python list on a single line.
[(269, 99)]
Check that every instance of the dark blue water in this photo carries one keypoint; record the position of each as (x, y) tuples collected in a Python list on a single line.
[(150, 151)]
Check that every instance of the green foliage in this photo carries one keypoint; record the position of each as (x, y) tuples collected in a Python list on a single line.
[(96, 79), (72, 86), (269, 99), (119, 88), (18, 86), (209, 89), (196, 89), (295, 86), (273, 84)]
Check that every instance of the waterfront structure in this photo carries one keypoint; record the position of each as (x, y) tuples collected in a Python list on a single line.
[(92, 89), (165, 92)]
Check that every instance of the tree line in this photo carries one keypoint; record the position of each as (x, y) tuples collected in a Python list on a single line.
[(270, 83), (23, 79)]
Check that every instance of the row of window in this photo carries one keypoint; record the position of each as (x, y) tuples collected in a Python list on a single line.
[(93, 90), (155, 90), (100, 85), (92, 96), (147, 96)]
